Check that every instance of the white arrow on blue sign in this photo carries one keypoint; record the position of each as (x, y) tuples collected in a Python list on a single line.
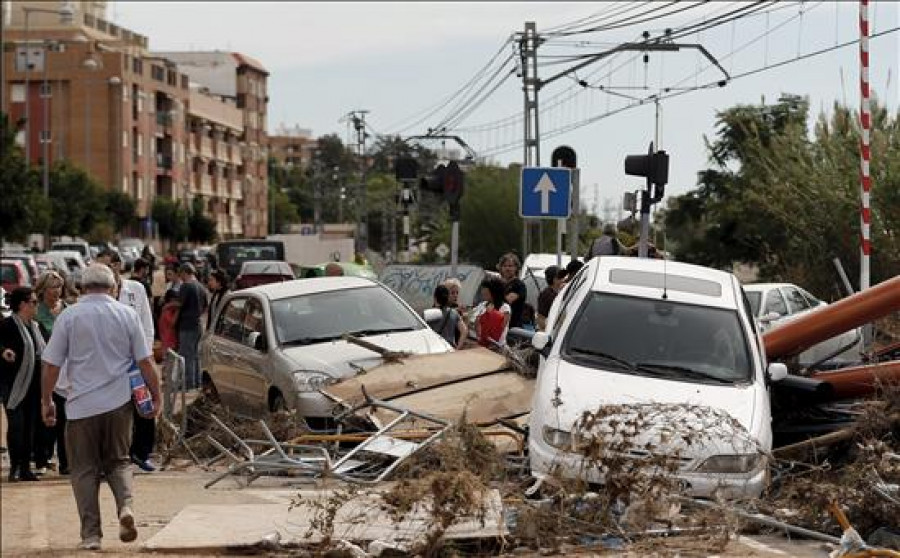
[(545, 193)]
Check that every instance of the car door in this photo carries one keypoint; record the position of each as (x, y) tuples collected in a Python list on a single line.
[(773, 303), (251, 382), (225, 346)]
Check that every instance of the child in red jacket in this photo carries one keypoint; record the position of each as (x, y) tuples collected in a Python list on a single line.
[(493, 323)]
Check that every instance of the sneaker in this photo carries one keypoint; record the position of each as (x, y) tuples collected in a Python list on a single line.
[(127, 530), (92, 543), (145, 465)]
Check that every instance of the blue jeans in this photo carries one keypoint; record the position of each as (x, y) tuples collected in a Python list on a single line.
[(188, 339)]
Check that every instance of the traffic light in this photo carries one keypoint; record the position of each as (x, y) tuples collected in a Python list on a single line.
[(406, 168), (654, 166), (564, 156), (453, 182)]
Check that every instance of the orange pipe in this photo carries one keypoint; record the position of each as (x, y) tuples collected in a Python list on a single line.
[(824, 323), (859, 381)]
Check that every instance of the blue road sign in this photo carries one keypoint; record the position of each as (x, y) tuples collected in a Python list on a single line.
[(545, 193)]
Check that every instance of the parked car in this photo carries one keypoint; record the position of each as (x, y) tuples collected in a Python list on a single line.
[(28, 261), (273, 346), (263, 272), (5, 310), (630, 333), (774, 304), (350, 270), (231, 254), (73, 262), (13, 274), (135, 243), (79, 246)]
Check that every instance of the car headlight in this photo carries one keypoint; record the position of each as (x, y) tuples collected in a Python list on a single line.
[(559, 439), (742, 463), (310, 380)]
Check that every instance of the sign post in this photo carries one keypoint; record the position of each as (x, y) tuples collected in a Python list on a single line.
[(546, 194), (564, 156)]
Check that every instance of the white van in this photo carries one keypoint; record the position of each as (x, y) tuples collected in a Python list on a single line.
[(674, 341)]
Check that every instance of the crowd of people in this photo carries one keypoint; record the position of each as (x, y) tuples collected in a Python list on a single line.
[(65, 358), (503, 304)]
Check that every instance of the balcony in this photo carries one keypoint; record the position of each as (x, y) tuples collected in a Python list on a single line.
[(206, 185), (163, 162), (236, 192), (164, 119), (236, 225), (206, 147)]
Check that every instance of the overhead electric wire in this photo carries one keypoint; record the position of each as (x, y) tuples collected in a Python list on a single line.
[(574, 126), (634, 20), (599, 17), (470, 99), (400, 127)]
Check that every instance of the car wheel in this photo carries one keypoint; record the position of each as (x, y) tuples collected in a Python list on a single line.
[(277, 403)]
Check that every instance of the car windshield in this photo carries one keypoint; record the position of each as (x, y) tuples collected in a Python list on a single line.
[(265, 268), (319, 317), (659, 338), (755, 298)]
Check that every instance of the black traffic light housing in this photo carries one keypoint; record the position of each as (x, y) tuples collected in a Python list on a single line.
[(564, 156), (654, 166)]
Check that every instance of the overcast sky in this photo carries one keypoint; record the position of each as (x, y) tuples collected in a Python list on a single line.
[(397, 59)]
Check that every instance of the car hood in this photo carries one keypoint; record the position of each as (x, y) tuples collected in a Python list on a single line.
[(582, 390), (341, 359)]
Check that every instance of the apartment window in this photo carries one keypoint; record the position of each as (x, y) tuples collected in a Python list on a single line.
[(241, 100), (17, 93), (140, 145), (124, 138), (140, 187), (46, 90), (137, 66), (184, 81)]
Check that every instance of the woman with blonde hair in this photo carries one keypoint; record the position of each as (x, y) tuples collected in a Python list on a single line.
[(49, 292)]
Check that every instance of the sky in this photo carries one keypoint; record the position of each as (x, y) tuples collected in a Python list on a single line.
[(398, 59)]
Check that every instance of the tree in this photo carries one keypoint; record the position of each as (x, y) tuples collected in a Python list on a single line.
[(78, 201), (23, 207), (201, 229), (170, 218), (786, 202), (120, 208), (283, 212)]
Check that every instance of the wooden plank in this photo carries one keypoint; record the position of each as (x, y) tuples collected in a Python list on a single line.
[(483, 399), (416, 373)]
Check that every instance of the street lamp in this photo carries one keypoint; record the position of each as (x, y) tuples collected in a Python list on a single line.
[(66, 15)]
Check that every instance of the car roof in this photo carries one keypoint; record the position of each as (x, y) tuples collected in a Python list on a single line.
[(765, 286), (300, 287), (684, 282)]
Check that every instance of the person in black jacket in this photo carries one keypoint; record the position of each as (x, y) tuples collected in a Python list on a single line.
[(21, 345)]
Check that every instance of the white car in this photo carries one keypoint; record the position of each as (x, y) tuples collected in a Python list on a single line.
[(274, 346), (672, 339), (774, 304)]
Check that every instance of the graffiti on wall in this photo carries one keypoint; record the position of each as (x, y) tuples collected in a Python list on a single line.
[(415, 283)]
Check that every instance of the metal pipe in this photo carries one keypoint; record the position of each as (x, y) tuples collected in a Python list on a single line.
[(826, 322), (859, 381)]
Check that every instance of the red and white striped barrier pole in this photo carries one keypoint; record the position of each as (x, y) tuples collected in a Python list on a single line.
[(865, 154), (865, 117)]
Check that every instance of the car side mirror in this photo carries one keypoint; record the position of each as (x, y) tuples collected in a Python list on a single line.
[(432, 316), (541, 341), (777, 371), (770, 317), (256, 340)]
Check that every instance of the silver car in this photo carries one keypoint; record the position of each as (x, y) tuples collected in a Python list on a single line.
[(274, 346)]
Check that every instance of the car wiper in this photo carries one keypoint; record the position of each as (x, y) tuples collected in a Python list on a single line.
[(364, 332), (310, 340), (605, 356), (676, 371)]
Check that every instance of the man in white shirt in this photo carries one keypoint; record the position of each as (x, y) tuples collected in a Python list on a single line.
[(132, 293), (98, 339)]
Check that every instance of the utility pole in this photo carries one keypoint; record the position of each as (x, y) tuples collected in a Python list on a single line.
[(528, 43), (358, 119)]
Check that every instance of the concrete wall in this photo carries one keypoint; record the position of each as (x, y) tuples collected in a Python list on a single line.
[(416, 283)]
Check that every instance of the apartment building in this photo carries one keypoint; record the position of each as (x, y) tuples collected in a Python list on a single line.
[(292, 147), (239, 79), (134, 120)]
